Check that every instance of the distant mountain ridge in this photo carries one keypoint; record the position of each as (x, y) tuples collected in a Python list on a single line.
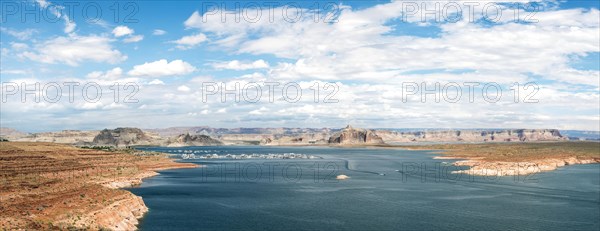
[(581, 135), (9, 133), (172, 131), (510, 135), (205, 136)]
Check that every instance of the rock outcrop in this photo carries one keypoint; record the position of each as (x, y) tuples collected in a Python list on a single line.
[(300, 139), (353, 136), (121, 137), (192, 140), (342, 177), (123, 214), (503, 168)]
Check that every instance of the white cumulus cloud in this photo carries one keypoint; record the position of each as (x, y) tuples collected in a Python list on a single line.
[(187, 42), (240, 65), (114, 73), (183, 88), (19, 34), (128, 34), (156, 82), (162, 68), (120, 31), (73, 50), (58, 12)]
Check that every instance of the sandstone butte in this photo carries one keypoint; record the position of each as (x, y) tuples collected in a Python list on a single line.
[(46, 186)]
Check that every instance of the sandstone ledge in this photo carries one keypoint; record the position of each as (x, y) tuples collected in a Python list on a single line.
[(510, 159), (501, 168)]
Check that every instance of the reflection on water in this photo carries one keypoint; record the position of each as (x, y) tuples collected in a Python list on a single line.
[(388, 190)]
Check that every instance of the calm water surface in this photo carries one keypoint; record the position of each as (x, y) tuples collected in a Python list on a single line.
[(388, 190)]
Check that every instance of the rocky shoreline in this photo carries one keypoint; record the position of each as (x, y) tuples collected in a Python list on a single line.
[(123, 214), (515, 159), (502, 168), (46, 186)]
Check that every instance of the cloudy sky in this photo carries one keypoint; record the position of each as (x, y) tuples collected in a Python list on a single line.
[(369, 61)]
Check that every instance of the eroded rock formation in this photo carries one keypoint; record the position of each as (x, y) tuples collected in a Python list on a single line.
[(193, 140), (351, 136), (121, 137)]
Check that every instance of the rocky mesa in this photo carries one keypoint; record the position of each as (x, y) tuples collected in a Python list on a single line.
[(355, 136), (121, 137), (192, 140)]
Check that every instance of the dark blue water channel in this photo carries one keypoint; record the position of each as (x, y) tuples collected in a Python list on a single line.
[(388, 189)]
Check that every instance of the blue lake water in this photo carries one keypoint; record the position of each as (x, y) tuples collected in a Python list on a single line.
[(387, 190)]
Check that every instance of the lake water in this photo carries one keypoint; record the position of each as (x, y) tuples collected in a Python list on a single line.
[(387, 190)]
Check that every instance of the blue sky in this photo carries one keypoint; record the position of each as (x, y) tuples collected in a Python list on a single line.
[(369, 50)]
